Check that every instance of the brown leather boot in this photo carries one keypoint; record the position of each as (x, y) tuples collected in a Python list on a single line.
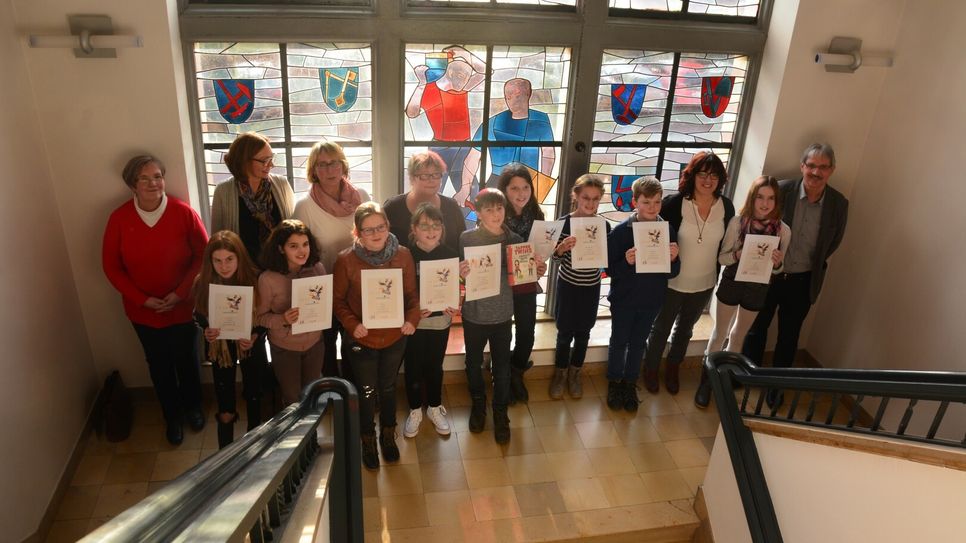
[(651, 381), (671, 378)]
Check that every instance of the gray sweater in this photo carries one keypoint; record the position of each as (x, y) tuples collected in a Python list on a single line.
[(499, 308), (224, 203)]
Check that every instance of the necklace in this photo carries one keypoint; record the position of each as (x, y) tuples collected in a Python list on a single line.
[(698, 222)]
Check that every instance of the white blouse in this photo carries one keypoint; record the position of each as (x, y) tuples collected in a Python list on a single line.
[(699, 261)]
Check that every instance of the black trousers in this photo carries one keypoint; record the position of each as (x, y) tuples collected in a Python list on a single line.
[(423, 361), (374, 373), (681, 310), (331, 366), (524, 328), (253, 370), (475, 336), (173, 364), (789, 295)]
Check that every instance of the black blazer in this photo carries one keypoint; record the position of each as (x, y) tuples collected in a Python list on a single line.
[(831, 229)]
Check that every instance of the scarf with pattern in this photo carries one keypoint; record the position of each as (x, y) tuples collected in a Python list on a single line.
[(378, 258), (260, 204)]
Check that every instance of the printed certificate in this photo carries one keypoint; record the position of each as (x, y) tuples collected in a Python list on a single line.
[(755, 265), (521, 263), (382, 298), (483, 280), (439, 284), (230, 310), (652, 241), (544, 236), (313, 297), (591, 249)]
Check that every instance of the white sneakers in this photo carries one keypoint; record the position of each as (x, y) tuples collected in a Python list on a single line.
[(412, 422), (436, 414)]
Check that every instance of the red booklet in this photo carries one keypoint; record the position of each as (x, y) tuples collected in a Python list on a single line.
[(521, 263)]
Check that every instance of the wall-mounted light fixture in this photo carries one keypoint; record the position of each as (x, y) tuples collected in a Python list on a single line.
[(844, 55), (92, 36)]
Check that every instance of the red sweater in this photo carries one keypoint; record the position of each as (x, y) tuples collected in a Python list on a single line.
[(142, 261)]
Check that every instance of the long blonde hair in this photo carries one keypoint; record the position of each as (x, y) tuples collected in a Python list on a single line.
[(584, 181)]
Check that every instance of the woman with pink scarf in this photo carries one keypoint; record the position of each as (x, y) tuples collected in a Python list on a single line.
[(328, 212)]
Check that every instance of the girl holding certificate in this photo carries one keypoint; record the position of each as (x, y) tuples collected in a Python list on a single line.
[(516, 183), (427, 348), (375, 353), (226, 262), (737, 303), (289, 253), (578, 292)]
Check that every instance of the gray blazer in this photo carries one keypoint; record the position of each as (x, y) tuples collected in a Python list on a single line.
[(835, 213)]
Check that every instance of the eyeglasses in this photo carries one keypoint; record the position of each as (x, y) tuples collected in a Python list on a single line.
[(374, 230), (143, 179), (708, 175), (820, 167), (428, 176), (265, 161), (430, 227), (330, 164)]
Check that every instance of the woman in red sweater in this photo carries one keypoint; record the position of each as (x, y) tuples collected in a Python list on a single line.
[(153, 246), (374, 353)]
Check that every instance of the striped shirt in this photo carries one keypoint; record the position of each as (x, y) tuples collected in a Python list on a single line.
[(565, 270)]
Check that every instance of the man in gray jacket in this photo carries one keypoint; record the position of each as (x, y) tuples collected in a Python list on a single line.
[(817, 214)]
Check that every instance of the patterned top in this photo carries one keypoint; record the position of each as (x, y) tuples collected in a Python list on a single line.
[(565, 270)]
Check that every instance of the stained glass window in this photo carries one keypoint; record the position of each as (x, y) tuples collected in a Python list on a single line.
[(728, 8), (446, 108), (567, 3), (294, 94)]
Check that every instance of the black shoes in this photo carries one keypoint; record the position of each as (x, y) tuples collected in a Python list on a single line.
[(631, 401), (672, 378), (174, 433), (518, 388), (651, 381), (702, 397), (501, 426), (387, 442), (196, 421), (370, 456), (615, 395), (478, 415)]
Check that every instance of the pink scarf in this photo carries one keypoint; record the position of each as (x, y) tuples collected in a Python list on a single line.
[(350, 199)]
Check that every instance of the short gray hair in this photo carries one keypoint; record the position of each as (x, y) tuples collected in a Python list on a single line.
[(823, 149)]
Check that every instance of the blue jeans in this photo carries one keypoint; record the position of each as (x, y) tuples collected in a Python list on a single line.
[(628, 335), (475, 337)]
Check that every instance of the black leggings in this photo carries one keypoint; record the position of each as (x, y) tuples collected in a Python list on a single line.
[(374, 373), (253, 370), (423, 363), (173, 364)]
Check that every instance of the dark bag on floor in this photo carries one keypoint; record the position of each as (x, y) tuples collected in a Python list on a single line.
[(114, 413)]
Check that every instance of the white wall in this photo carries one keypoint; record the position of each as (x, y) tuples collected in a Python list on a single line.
[(49, 381), (95, 114)]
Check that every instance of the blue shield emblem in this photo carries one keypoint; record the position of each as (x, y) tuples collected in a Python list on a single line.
[(626, 101), (715, 95), (236, 99), (340, 87), (620, 192)]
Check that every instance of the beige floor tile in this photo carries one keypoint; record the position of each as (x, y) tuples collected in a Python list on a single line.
[(519, 416), (459, 419), (704, 423), (583, 494), (611, 461), (538, 499), (145, 438), (687, 453), (91, 470), (559, 438), (207, 453), (494, 503), (432, 447), (408, 450), (671, 427), (399, 479), (447, 533), (170, 464), (98, 445), (650, 457), (539, 390), (113, 499), (556, 527), (627, 489), (636, 430), (666, 485), (694, 477), (486, 472), (523, 441), (451, 507), (78, 502), (403, 511), (481, 445), (130, 468), (370, 483), (549, 413), (587, 409), (662, 403), (443, 476), (529, 468), (96, 523), (457, 395), (598, 434), (372, 514), (195, 440), (603, 522), (570, 465), (67, 531), (147, 413), (154, 486)]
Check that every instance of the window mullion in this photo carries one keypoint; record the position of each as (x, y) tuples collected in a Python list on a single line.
[(286, 123), (485, 127), (672, 84)]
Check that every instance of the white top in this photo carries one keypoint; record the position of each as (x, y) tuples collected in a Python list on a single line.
[(699, 261), (333, 234), (151, 218)]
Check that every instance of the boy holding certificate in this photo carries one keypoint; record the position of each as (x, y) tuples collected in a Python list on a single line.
[(489, 319), (635, 298)]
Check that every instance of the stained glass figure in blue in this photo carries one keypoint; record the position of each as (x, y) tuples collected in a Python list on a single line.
[(445, 101), (517, 123)]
